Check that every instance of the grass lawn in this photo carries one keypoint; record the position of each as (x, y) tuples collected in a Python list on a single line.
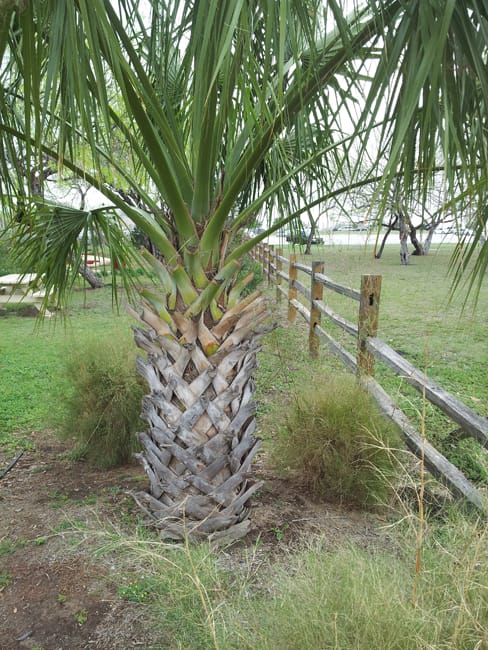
[(32, 361), (442, 335), (447, 339), (306, 594)]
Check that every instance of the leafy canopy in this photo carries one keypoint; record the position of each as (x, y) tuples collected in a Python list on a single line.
[(207, 112)]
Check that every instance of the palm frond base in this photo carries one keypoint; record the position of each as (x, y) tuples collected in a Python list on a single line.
[(200, 443)]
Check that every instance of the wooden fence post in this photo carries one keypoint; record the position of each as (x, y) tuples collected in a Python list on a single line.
[(316, 294), (255, 253), (270, 262), (368, 321), (292, 290), (261, 256), (279, 269), (262, 259)]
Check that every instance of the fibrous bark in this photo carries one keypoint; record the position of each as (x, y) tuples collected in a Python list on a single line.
[(198, 448)]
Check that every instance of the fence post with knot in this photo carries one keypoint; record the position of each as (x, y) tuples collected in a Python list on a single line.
[(316, 294), (369, 304), (270, 262)]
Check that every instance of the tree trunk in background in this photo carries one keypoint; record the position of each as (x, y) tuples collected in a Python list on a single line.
[(311, 235), (418, 248), (379, 252), (428, 241), (92, 278), (404, 256)]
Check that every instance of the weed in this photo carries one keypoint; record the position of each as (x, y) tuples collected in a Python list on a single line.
[(5, 579), (338, 444), (81, 617), (70, 525), (138, 592), (313, 597), (103, 405), (40, 469), (356, 599), (61, 599), (8, 546), (58, 499), (184, 582), (278, 533), (40, 541)]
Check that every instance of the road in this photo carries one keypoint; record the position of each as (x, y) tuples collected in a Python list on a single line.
[(349, 238)]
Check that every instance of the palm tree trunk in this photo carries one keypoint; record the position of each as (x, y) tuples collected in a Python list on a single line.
[(200, 443)]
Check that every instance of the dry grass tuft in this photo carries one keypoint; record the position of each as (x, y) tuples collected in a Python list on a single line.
[(337, 443)]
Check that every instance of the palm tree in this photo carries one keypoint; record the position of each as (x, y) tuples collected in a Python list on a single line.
[(209, 112)]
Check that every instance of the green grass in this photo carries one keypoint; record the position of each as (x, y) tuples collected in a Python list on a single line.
[(446, 339), (348, 599), (7, 263), (310, 598), (33, 384), (336, 443), (30, 378)]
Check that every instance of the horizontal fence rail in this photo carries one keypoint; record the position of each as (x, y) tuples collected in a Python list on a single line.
[(369, 349)]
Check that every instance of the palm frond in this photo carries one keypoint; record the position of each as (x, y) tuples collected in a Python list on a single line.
[(202, 109)]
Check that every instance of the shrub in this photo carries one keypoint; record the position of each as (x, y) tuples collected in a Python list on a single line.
[(7, 263), (337, 443), (104, 403), (248, 266)]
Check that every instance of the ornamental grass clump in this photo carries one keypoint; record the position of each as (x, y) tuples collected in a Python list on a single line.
[(338, 445), (103, 404)]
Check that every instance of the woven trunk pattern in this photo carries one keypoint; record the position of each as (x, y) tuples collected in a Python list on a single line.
[(199, 446)]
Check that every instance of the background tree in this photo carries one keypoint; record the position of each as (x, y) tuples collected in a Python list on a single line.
[(209, 96)]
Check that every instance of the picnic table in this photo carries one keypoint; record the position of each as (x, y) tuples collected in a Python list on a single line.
[(15, 288), (97, 261)]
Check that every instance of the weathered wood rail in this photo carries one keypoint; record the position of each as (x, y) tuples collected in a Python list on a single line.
[(369, 349)]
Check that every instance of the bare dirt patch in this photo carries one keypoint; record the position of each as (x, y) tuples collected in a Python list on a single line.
[(54, 595)]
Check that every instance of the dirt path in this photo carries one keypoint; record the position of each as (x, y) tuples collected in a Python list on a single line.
[(55, 596)]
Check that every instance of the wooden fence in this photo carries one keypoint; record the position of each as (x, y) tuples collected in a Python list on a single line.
[(369, 349)]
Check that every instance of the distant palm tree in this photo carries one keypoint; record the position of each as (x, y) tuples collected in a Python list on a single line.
[(209, 113)]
